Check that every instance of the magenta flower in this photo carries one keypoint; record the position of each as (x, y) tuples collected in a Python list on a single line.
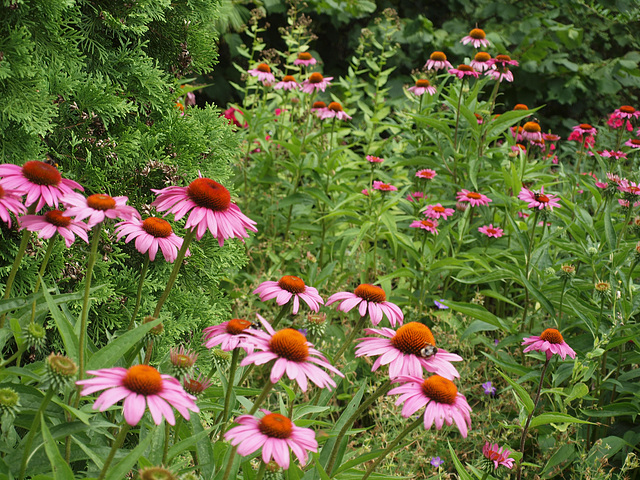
[(421, 87), (289, 287), (405, 351), (365, 192), (293, 355), (415, 196), (334, 110), (477, 38), (464, 71), (41, 182), (503, 61), (585, 129), (427, 224), (140, 385), (231, 115), (229, 335), (550, 341), (263, 72), (627, 111), (438, 211), (475, 199), (53, 222), (384, 187), (149, 235), (97, 207), (538, 200), (210, 207), (500, 74), (305, 58), (372, 159), (316, 82), (437, 61), (276, 434), (633, 143), (371, 299), (287, 83), (10, 202), (627, 186), (443, 402), (491, 231), (426, 174), (499, 456)]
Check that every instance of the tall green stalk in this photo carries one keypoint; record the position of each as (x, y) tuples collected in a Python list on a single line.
[(35, 425), (143, 275), (43, 267), (117, 443)]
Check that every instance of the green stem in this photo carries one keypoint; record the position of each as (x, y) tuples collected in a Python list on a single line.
[(382, 389), (564, 284), (418, 421), (347, 343), (35, 425), (117, 443), (597, 329), (455, 135), (526, 273), (227, 397), (43, 267), (165, 447), (26, 235), (143, 275), (625, 225), (261, 470)]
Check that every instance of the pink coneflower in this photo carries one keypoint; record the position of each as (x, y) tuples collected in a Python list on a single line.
[(229, 335), (585, 129), (538, 200), (287, 83), (334, 110), (150, 234), (195, 385), (516, 132), (372, 159), (532, 131), (477, 38), (384, 187), (41, 182), (263, 72), (438, 211), (97, 207), (289, 287), (479, 118), (305, 58), (499, 456), (503, 61), (480, 62), (140, 385), (500, 73), (315, 82), (365, 192), (627, 186), (10, 202), (426, 173), (53, 222), (633, 143), (319, 105), (464, 71), (415, 196), (518, 148), (210, 207), (550, 341), (407, 351), (627, 111), (427, 224), (550, 137), (293, 355), (437, 61), (275, 434), (443, 402), (230, 114), (611, 154), (475, 199), (491, 231), (371, 299), (615, 122), (421, 87)]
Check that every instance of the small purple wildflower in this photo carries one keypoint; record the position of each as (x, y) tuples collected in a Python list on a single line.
[(436, 461), (441, 306), (489, 389)]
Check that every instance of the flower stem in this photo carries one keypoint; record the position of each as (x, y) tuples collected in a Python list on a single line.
[(14, 269), (526, 274), (455, 135), (117, 443), (418, 421), (43, 267), (227, 397), (35, 425), (165, 447), (261, 470), (143, 275), (564, 284), (526, 425), (347, 343)]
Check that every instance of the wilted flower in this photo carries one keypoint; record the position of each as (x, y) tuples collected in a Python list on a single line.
[(499, 456)]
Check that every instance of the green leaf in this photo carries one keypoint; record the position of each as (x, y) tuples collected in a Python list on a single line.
[(462, 472), (61, 469), (608, 227), (65, 327), (187, 443), (554, 417), (204, 449), (521, 393), (564, 453), (125, 465), (477, 326), (475, 311), (579, 390), (319, 469)]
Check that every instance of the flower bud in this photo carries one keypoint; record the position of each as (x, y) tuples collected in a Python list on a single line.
[(35, 336), (156, 473), (9, 402), (60, 371)]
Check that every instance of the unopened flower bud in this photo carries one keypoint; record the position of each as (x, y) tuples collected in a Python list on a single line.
[(35, 336), (60, 371), (156, 473), (9, 401), (220, 358), (182, 361)]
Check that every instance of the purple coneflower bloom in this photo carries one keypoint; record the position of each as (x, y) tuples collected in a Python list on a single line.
[(464, 71), (305, 58), (499, 456), (538, 200), (428, 224), (229, 335), (10, 202), (421, 87), (151, 234), (97, 207), (289, 287), (371, 299), (287, 83), (53, 222), (550, 341), (477, 38), (437, 61), (263, 72), (438, 211), (316, 82), (334, 110)]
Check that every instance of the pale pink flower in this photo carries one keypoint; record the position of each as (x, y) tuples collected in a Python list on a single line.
[(316, 82), (41, 182), (275, 434), (372, 159), (334, 110), (438, 211), (503, 61), (585, 129), (151, 234), (499, 456), (421, 87), (491, 231), (97, 207), (426, 173), (384, 187), (371, 299), (427, 224), (407, 351), (263, 72), (287, 83), (365, 192), (53, 222), (209, 206), (305, 58), (538, 200), (477, 38), (287, 288), (480, 62), (293, 355), (475, 199), (10, 202), (443, 402), (633, 143), (532, 131), (139, 386), (500, 74), (437, 61), (464, 71), (550, 341), (229, 335)]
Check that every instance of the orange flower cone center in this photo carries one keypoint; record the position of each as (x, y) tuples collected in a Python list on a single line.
[(438, 209), (207, 193), (236, 326), (143, 380), (290, 344), (276, 426), (335, 107), (492, 231), (427, 223), (370, 293), (440, 390), (482, 57), (288, 78), (55, 217), (521, 147), (531, 127), (423, 82), (100, 201), (478, 34), (551, 335), (627, 109), (304, 56), (292, 284), (263, 67), (180, 106), (474, 195), (41, 173), (465, 68), (503, 58), (157, 227), (319, 105), (585, 126), (1, 192), (438, 57), (635, 141), (315, 77), (521, 106), (412, 337)]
